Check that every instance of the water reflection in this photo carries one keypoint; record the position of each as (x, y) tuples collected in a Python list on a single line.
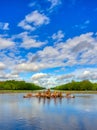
[(21, 113), (47, 101)]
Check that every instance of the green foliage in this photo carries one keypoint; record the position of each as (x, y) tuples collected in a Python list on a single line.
[(74, 85), (18, 85)]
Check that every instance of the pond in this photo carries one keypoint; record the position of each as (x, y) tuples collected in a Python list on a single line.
[(18, 113)]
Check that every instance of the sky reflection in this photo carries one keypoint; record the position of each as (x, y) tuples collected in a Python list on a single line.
[(19, 113)]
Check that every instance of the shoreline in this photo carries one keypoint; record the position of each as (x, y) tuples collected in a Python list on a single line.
[(33, 91), (17, 91)]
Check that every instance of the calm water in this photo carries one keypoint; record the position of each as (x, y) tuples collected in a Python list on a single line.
[(18, 113)]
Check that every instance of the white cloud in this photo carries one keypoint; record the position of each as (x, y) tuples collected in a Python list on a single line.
[(29, 67), (2, 66), (5, 43), (12, 76), (10, 59), (26, 26), (50, 80), (37, 18), (32, 43), (86, 72), (48, 52), (4, 26), (38, 76), (64, 77), (9, 76), (43, 79), (29, 41), (33, 20), (58, 36), (50, 5), (54, 3), (77, 51)]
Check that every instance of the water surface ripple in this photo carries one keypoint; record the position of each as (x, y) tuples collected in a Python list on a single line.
[(18, 113)]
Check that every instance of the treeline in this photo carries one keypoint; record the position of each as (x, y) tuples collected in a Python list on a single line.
[(18, 85), (74, 85)]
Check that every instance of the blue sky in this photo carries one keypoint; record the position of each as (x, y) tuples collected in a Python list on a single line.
[(48, 42)]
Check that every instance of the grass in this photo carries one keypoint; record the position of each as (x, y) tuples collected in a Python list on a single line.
[(77, 91), (17, 91)]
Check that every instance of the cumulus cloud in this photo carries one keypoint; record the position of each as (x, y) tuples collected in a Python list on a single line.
[(51, 80), (88, 73), (44, 79), (4, 26), (38, 76), (2, 66), (32, 43), (37, 18), (5, 43), (29, 67), (9, 76), (33, 20), (28, 41), (79, 50), (66, 76), (78, 75), (48, 52), (10, 59), (26, 26)]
